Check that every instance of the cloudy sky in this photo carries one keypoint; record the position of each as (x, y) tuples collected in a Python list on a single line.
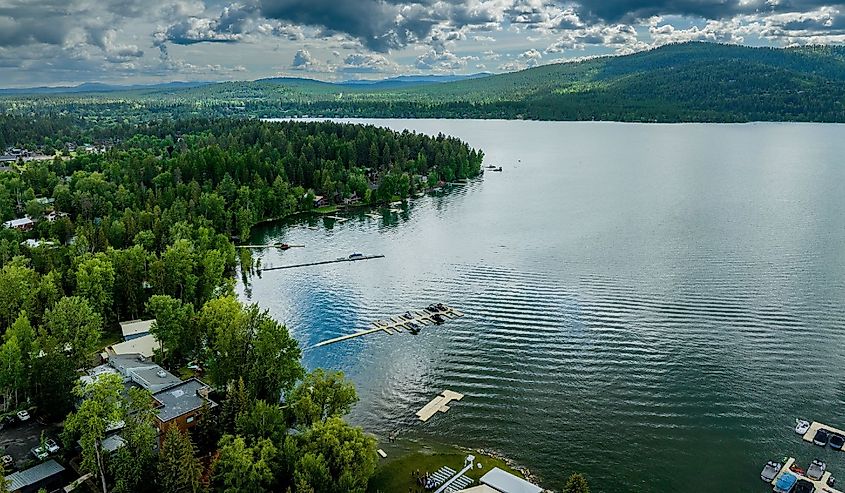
[(58, 42)]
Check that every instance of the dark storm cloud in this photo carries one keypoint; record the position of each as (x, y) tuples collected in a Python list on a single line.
[(632, 10), (379, 25)]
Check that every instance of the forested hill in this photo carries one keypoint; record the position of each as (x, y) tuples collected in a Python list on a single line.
[(682, 82)]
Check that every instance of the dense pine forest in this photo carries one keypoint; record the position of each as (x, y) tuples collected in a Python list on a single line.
[(695, 82), (142, 228)]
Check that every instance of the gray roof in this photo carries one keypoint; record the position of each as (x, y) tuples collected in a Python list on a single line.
[(154, 379), (181, 399), (143, 372), (17, 222), (136, 327), (508, 483), (33, 475)]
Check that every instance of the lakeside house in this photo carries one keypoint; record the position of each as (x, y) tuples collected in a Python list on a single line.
[(177, 401), (21, 224), (144, 345)]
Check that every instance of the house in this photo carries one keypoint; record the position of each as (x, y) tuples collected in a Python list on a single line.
[(45, 200), (499, 481), (30, 243), (53, 215), (144, 345), (134, 329), (22, 224), (319, 201), (47, 475), (180, 404), (140, 370)]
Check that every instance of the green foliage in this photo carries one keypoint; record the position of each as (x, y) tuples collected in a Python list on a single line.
[(4, 483), (173, 327), (102, 406), (240, 467), (322, 395), (51, 380), (334, 458), (179, 471), (247, 342), (132, 464), (576, 484), (74, 324)]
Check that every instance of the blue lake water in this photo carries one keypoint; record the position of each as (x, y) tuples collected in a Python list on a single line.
[(651, 305)]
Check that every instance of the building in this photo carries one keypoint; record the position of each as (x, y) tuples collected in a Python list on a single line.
[(180, 404), (23, 224), (30, 243), (141, 371), (53, 215), (47, 475), (144, 345), (504, 482), (134, 329)]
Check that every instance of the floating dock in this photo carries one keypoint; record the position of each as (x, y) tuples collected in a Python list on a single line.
[(816, 426), (324, 262), (438, 404), (420, 318), (820, 484)]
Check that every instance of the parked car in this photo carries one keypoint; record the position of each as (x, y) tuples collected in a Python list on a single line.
[(7, 462), (51, 445), (23, 415), (40, 452)]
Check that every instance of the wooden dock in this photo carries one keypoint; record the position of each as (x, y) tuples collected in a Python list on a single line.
[(323, 262), (816, 426), (438, 404), (420, 318), (820, 484)]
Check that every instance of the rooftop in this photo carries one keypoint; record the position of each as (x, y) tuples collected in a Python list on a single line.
[(21, 221), (135, 327), (143, 371), (181, 399), (144, 345), (34, 475), (506, 482)]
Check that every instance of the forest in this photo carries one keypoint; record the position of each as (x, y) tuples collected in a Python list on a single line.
[(687, 82), (145, 229)]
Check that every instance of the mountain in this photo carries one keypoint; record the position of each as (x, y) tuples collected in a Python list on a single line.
[(96, 87), (692, 82)]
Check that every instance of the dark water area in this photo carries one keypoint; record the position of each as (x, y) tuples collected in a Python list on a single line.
[(651, 305)]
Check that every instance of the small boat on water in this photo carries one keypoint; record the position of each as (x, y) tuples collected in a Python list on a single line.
[(804, 486), (785, 483), (497, 169), (821, 438), (802, 426), (770, 471), (837, 441), (816, 470)]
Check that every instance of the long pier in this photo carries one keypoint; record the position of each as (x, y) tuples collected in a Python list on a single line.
[(419, 318), (280, 246), (323, 262)]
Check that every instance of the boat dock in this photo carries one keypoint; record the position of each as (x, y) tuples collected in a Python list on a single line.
[(438, 404), (420, 318), (820, 484), (816, 426), (323, 262), (282, 246)]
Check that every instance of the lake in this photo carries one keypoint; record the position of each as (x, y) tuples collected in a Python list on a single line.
[(651, 305)]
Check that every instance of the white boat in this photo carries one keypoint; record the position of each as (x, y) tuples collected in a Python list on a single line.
[(802, 426)]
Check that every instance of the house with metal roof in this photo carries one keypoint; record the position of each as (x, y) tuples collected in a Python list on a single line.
[(45, 475), (145, 345), (21, 223)]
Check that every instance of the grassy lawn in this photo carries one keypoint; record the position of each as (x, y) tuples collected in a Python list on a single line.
[(395, 474), (328, 209)]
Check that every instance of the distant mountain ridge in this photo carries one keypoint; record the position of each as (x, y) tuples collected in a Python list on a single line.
[(688, 82)]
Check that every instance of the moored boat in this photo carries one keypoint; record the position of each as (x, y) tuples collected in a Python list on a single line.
[(801, 426), (816, 470), (770, 471), (821, 438)]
